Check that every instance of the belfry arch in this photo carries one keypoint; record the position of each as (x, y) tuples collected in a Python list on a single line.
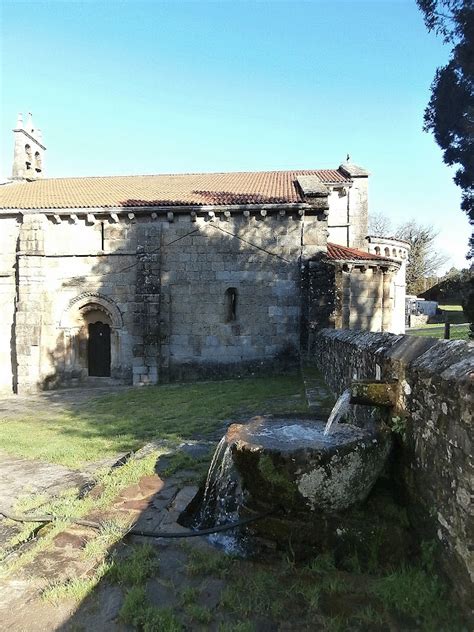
[(92, 325)]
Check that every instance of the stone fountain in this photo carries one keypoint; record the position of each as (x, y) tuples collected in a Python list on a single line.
[(292, 464), (303, 473)]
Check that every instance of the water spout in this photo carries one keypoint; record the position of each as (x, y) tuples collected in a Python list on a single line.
[(340, 408), (369, 393)]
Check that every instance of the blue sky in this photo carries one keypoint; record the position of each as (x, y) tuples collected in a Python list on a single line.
[(160, 87)]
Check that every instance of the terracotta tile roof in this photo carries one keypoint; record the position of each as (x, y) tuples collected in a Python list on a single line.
[(264, 187), (342, 253)]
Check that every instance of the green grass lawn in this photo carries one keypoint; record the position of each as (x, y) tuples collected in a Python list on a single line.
[(182, 586), (437, 331), (454, 315), (127, 420)]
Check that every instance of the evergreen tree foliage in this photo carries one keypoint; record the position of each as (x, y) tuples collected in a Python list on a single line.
[(450, 111)]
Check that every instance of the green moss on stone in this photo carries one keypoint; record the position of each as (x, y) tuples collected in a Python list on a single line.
[(374, 393), (279, 483)]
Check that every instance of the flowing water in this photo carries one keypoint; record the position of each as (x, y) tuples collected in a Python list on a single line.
[(222, 497), (227, 492), (286, 435), (223, 494), (212, 478), (341, 407)]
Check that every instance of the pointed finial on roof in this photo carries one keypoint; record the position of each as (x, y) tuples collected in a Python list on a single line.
[(19, 121), (348, 158)]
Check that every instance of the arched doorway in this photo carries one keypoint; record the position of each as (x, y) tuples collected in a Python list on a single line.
[(98, 349), (93, 328)]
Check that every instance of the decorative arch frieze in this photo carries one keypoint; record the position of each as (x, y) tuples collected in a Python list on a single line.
[(86, 302)]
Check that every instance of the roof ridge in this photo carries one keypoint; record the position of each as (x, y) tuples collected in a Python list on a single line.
[(188, 173)]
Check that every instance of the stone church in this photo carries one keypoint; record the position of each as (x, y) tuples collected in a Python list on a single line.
[(145, 279)]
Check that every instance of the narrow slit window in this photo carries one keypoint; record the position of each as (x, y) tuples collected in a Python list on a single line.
[(102, 236), (29, 157), (230, 304), (38, 162)]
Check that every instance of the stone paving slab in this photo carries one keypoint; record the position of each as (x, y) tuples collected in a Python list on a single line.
[(19, 477), (152, 504)]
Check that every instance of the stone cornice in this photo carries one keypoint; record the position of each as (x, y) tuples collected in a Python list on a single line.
[(389, 241), (106, 210), (369, 263), (19, 129)]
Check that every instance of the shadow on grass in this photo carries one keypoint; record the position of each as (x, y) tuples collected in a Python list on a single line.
[(168, 586), (74, 434), (164, 586)]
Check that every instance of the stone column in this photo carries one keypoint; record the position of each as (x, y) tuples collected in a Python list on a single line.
[(346, 297), (73, 367), (29, 307), (387, 302), (338, 296), (147, 310), (165, 329)]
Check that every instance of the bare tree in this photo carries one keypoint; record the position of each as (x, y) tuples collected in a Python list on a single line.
[(380, 225), (424, 260)]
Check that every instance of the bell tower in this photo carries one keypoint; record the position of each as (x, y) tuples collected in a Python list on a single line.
[(28, 155)]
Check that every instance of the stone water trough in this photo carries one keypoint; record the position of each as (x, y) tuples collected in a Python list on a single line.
[(289, 463), (299, 472)]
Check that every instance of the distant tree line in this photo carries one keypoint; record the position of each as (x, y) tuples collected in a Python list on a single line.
[(450, 288)]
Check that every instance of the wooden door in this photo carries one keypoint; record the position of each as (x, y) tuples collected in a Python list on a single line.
[(98, 350)]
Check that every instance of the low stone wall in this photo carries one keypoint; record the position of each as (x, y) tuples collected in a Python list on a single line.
[(437, 402)]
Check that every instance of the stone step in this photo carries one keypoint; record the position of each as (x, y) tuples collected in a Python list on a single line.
[(100, 382)]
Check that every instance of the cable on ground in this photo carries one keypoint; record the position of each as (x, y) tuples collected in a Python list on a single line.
[(135, 531)]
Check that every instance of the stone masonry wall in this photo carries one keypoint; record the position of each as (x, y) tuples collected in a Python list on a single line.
[(339, 217), (58, 263), (348, 214), (162, 283), (437, 399), (8, 243), (199, 270)]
